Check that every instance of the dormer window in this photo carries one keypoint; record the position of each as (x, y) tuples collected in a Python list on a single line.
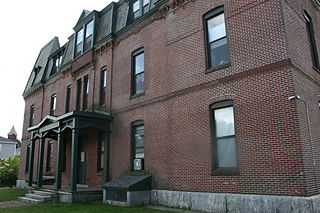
[(88, 38), (137, 5), (136, 9), (84, 39), (59, 61), (146, 6), (79, 43)]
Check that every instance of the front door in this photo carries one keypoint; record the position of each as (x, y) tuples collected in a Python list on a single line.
[(82, 159)]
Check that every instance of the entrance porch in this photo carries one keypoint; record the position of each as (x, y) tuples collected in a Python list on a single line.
[(78, 137)]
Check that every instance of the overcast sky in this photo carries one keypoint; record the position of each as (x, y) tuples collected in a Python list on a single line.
[(26, 27)]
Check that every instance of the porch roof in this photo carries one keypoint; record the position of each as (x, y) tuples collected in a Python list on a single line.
[(71, 120)]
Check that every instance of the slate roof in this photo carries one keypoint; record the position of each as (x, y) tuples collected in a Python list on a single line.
[(113, 20), (41, 63), (6, 140)]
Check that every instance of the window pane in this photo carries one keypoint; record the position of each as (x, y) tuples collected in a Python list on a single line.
[(54, 103), (139, 83), (79, 36), (219, 53), (89, 29), (101, 160), (104, 79), (145, 2), (216, 28), (88, 43), (78, 50), (139, 155), (139, 63), (224, 121), (136, 6), (226, 152), (139, 142)]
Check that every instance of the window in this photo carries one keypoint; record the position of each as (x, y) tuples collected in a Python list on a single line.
[(58, 61), (49, 157), (31, 118), (103, 86), (27, 158), (136, 9), (216, 39), (85, 92), (88, 38), (224, 139), (100, 153), (145, 6), (84, 39), (138, 145), (137, 5), (138, 72), (36, 70), (78, 97), (53, 104), (312, 41), (79, 43), (68, 95)]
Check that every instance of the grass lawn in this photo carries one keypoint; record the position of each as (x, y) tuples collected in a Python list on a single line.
[(7, 194), (78, 208)]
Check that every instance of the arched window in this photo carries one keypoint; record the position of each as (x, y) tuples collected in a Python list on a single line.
[(224, 137), (137, 139)]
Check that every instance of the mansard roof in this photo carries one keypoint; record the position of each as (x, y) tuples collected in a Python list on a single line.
[(110, 22), (41, 63)]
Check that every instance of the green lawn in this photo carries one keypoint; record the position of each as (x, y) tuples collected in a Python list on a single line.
[(7, 194), (78, 208)]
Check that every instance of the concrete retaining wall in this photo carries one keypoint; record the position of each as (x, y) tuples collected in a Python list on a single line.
[(235, 203)]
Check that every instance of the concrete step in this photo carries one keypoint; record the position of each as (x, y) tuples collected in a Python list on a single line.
[(45, 199), (29, 200), (43, 193)]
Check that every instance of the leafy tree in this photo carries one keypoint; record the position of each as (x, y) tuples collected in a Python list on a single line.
[(9, 171)]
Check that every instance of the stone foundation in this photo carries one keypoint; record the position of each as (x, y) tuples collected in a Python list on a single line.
[(21, 184), (236, 203)]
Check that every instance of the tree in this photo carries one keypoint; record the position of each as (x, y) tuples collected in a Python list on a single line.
[(9, 171)]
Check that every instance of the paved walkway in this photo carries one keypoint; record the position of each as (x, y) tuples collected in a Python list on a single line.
[(11, 204)]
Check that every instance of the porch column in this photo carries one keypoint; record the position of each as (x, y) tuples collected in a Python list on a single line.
[(106, 157), (31, 156), (40, 161), (59, 161), (74, 159)]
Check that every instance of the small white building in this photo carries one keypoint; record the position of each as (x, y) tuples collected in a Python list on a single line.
[(8, 145)]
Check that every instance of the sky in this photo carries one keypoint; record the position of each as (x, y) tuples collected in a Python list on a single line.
[(25, 28)]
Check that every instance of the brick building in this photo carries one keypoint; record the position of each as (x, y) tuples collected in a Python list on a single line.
[(217, 100)]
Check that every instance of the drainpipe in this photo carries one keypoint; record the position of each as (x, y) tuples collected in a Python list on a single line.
[(297, 97)]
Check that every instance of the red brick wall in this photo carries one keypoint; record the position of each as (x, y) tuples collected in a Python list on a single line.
[(271, 131), (306, 84)]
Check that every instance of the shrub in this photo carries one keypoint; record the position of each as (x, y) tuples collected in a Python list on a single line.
[(9, 171)]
